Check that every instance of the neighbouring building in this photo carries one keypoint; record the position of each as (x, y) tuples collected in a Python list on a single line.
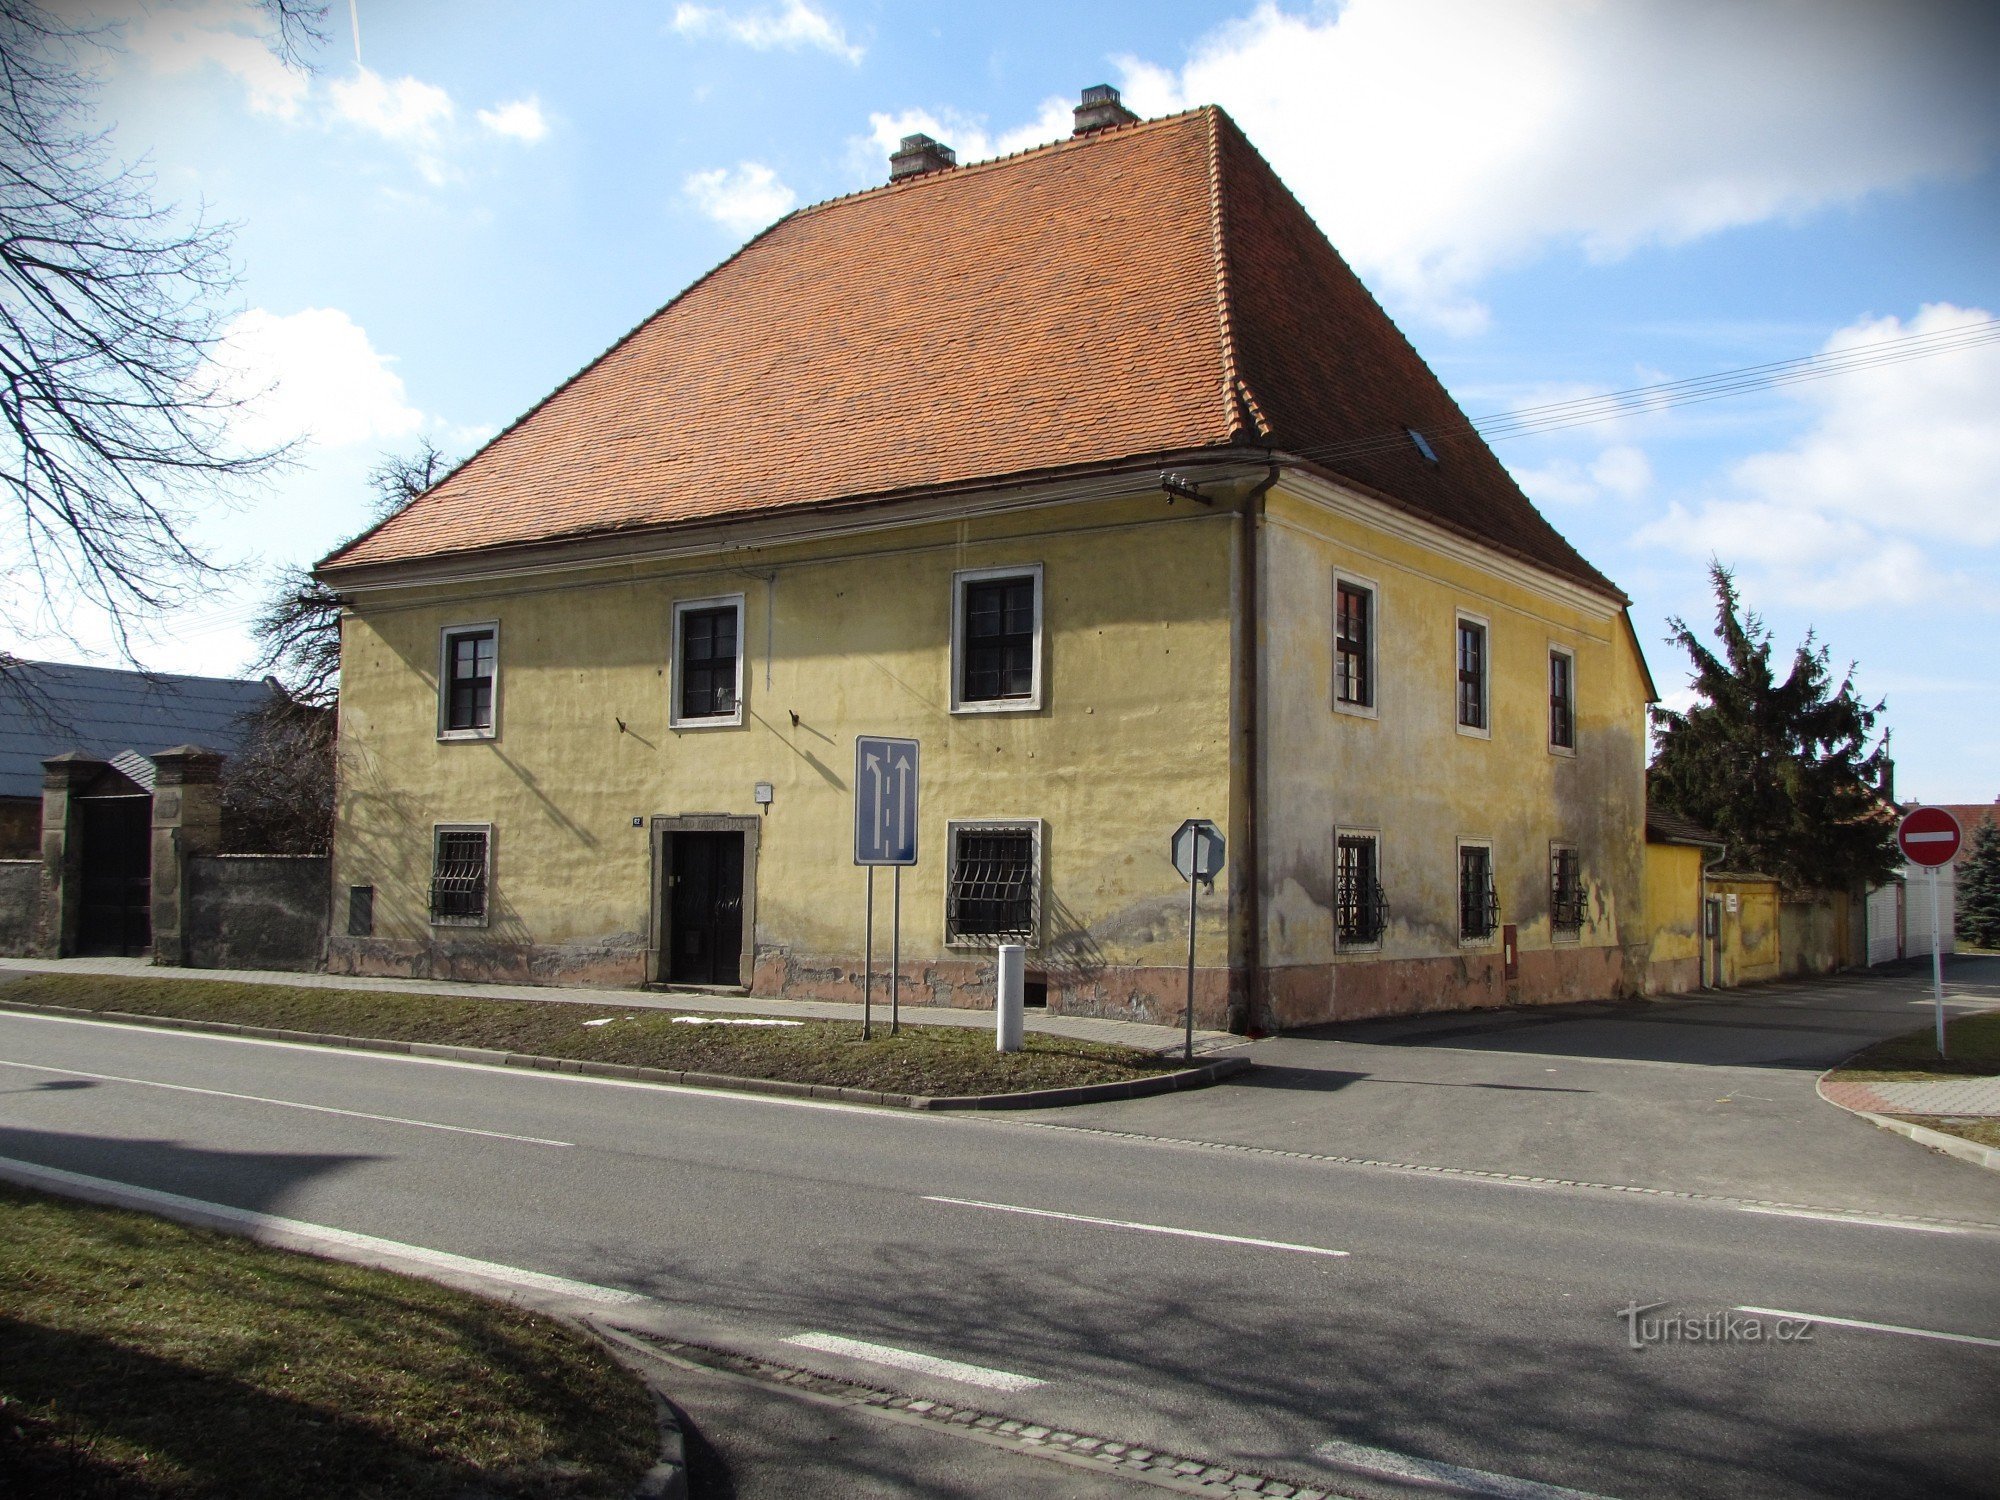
[(1094, 469)]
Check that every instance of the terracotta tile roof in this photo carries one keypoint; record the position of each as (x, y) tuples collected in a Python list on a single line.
[(1970, 815), (1141, 291)]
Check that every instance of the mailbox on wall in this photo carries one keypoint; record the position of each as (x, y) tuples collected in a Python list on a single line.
[(1510, 950)]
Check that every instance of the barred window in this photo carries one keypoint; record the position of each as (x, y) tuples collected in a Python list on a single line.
[(459, 864), (1478, 905), (994, 888), (1360, 909), (1353, 645), (1565, 892), (1471, 674), (1562, 700), (471, 666), (708, 661)]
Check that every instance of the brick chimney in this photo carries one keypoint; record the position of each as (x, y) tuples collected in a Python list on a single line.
[(1100, 109), (921, 154)]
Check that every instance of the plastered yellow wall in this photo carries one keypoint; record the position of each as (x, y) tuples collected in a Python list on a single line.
[(1750, 935), (1673, 908), (1407, 772), (843, 636)]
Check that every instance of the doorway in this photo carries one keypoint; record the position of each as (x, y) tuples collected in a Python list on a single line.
[(117, 907), (704, 882)]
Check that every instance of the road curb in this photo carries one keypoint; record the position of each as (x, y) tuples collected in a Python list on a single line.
[(668, 1478), (1923, 1135), (1198, 1076)]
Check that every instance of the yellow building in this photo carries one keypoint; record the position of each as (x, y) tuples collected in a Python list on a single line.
[(1094, 470)]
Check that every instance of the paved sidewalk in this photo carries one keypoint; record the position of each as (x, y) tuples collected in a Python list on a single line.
[(1920, 1096), (1162, 1039)]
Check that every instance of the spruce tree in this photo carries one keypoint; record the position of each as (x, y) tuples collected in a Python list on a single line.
[(1979, 887), (1782, 769)]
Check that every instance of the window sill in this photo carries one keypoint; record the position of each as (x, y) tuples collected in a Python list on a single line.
[(1357, 710), (450, 736), (720, 721), (1567, 752), (1340, 948), (474, 922), (977, 944), (1000, 706), (1471, 732)]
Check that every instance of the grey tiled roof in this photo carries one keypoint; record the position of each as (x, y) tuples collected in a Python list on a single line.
[(47, 708)]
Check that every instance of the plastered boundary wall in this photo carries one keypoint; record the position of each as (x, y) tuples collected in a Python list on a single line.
[(1404, 772), (20, 906), (843, 636)]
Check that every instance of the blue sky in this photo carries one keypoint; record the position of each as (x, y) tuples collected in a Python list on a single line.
[(1554, 198)]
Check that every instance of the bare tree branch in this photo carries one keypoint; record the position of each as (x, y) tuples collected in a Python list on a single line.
[(115, 411)]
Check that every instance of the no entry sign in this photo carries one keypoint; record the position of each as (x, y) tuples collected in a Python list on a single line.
[(1929, 836)]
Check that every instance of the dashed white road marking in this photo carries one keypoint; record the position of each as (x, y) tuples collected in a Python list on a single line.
[(1830, 1217), (320, 1109), (909, 1359), (297, 1232), (1430, 1472), (1915, 1333), (1189, 1234)]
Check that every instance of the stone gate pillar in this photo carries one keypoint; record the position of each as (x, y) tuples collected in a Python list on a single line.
[(61, 914), (187, 824)]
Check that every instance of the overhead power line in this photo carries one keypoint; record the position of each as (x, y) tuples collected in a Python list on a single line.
[(1553, 416)]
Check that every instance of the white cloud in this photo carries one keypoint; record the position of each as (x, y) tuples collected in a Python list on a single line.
[(744, 198), (965, 134), (227, 34), (1438, 141), (1887, 497), (791, 26), (521, 120), (1621, 471), (408, 111), (314, 375)]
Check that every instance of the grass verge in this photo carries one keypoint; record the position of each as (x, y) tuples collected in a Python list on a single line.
[(937, 1060), (143, 1358), (1972, 1041), (1974, 1045)]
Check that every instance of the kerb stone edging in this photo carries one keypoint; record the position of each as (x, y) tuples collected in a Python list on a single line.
[(1198, 1076), (1923, 1135)]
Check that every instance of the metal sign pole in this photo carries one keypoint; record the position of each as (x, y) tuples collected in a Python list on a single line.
[(896, 953), (868, 961), (1192, 885), (1937, 963)]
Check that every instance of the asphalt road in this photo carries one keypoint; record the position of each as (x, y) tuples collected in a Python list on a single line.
[(1471, 1319)]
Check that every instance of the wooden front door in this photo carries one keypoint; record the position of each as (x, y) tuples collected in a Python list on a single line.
[(705, 908), (117, 915)]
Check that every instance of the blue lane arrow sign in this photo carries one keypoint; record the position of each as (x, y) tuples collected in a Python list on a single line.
[(885, 800)]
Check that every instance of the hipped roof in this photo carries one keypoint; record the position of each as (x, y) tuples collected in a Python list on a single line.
[(1146, 290)]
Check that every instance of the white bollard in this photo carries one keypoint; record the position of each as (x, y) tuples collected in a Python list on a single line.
[(1007, 1006)]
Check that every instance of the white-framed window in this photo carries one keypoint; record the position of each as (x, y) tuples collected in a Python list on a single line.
[(1566, 914), (469, 681), (1361, 911), (1354, 655), (1472, 670), (1562, 700), (996, 639), (461, 873), (1478, 902), (993, 883), (705, 685)]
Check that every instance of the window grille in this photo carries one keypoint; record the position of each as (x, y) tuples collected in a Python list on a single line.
[(458, 877), (1478, 905), (1361, 910), (1565, 892), (1562, 700), (708, 662), (1351, 647), (1471, 674), (994, 890), (999, 639), (471, 658)]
